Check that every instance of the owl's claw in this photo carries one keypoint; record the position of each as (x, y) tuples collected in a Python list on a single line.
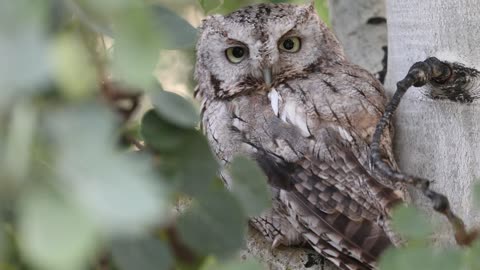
[(278, 241)]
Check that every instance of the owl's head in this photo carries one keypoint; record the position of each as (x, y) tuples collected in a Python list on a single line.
[(259, 46)]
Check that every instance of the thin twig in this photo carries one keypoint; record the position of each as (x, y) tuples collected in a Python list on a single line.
[(114, 94), (178, 247)]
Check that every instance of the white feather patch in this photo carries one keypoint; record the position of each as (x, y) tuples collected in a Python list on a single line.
[(344, 134), (290, 112), (295, 115), (274, 100)]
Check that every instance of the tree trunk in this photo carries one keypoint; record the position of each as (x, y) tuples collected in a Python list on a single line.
[(436, 139), (361, 28)]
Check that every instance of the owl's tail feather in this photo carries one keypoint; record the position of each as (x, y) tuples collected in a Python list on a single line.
[(338, 258), (350, 244), (345, 230)]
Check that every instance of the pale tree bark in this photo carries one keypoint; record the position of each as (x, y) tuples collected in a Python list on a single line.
[(361, 28), (437, 139)]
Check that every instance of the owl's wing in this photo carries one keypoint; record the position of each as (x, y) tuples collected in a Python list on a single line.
[(334, 202)]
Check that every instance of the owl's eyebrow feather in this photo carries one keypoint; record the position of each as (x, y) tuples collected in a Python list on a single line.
[(231, 41), (290, 33)]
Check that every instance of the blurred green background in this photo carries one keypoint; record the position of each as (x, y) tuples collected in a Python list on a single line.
[(96, 157), (102, 164)]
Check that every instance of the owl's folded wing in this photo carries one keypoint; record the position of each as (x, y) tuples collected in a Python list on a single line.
[(334, 202)]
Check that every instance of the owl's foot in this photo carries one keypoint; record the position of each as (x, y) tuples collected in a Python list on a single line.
[(279, 240), (282, 240), (277, 229)]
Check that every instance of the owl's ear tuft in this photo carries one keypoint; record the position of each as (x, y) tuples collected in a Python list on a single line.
[(215, 21), (306, 11), (309, 7)]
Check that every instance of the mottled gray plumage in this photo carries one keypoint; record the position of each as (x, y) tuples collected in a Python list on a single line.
[(309, 129)]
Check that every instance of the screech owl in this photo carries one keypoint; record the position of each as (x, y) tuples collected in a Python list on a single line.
[(275, 85)]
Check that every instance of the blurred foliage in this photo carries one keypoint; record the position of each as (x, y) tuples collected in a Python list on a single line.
[(86, 185), (418, 253), (249, 185)]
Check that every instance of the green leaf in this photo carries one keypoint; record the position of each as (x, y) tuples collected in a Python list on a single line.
[(401, 259), (175, 109), (145, 254), (161, 135), (171, 30), (448, 259), (209, 5), (101, 180), (472, 255), (174, 32), (91, 14), (24, 40), (60, 15), (234, 265), (106, 183), (90, 126), (136, 47), (214, 225), (54, 234), (231, 5), (186, 157), (250, 186), (476, 194), (196, 168), (3, 243), (71, 58), (20, 134), (410, 223), (248, 265), (140, 32), (425, 258)]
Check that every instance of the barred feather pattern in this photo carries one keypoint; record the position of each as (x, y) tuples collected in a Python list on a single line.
[(330, 195), (309, 131)]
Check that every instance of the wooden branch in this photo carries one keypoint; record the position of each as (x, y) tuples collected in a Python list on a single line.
[(421, 73)]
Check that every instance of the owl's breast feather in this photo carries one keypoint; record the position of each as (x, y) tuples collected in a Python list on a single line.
[(289, 111), (274, 100)]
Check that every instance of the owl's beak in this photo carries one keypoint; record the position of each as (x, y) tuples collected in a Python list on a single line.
[(267, 76)]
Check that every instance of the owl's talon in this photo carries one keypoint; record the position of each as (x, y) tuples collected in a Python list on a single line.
[(278, 241)]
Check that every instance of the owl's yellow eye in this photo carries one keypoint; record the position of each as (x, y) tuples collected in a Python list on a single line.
[(291, 44), (236, 54)]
